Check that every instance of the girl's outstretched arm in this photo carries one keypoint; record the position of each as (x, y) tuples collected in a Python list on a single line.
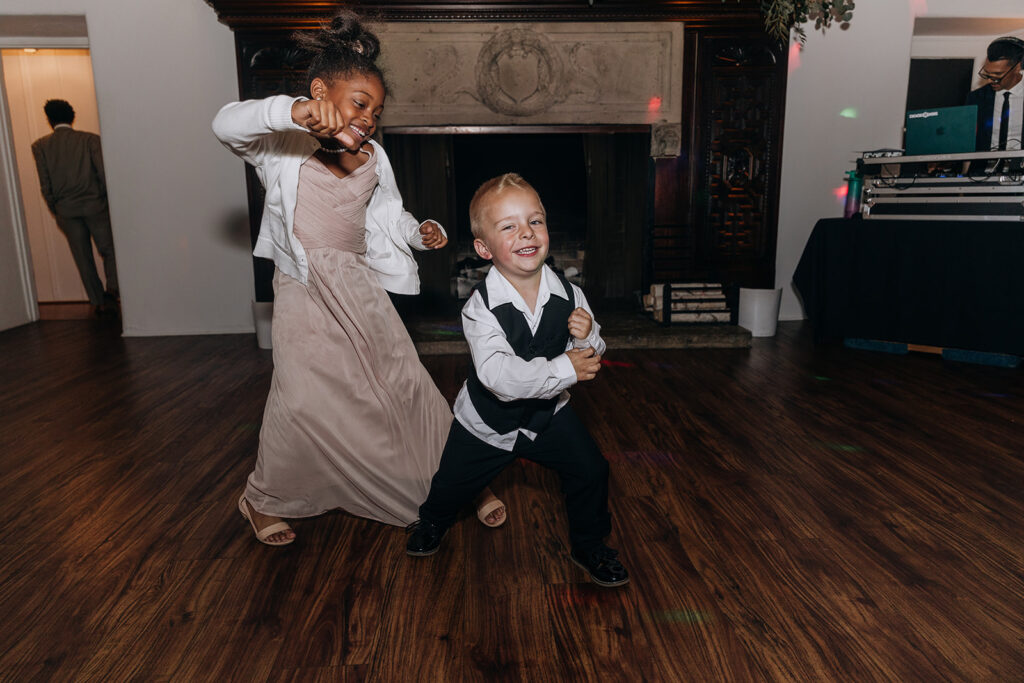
[(243, 126)]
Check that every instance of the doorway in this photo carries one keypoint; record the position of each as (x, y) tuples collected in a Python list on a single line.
[(32, 76)]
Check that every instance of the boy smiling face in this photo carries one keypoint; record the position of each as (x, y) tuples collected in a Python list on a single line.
[(513, 232)]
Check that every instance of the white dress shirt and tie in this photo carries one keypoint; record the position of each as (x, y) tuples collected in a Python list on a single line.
[(1008, 118)]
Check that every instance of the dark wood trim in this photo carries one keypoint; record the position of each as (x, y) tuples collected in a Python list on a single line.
[(758, 65), (280, 14), (501, 130)]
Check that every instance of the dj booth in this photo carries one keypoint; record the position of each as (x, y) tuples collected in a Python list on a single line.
[(926, 266), (981, 186)]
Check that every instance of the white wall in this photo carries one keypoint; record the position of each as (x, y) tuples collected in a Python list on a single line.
[(864, 68), (968, 46), (177, 198)]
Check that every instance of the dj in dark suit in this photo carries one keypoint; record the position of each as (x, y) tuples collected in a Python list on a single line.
[(72, 180), (1001, 100)]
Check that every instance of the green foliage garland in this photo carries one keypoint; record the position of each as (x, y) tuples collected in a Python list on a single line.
[(782, 15)]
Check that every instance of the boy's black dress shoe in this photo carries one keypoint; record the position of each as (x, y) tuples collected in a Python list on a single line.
[(424, 538), (602, 566)]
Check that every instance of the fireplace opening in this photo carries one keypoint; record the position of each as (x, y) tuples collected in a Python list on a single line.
[(596, 187), (554, 164)]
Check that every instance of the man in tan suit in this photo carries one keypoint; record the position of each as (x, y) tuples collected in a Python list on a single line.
[(70, 166)]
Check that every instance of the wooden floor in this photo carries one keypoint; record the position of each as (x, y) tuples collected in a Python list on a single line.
[(65, 310), (788, 513)]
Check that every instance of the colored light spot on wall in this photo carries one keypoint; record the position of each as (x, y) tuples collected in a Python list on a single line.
[(840, 193), (617, 364), (654, 104), (794, 56), (681, 616), (848, 113)]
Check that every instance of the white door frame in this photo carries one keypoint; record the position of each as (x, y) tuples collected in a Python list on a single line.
[(10, 195)]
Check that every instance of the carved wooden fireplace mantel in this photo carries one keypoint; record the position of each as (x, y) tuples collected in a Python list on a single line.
[(245, 15), (715, 205)]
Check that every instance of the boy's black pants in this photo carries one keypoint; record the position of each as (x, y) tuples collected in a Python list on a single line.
[(469, 464)]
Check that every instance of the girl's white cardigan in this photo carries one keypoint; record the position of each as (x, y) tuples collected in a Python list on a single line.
[(262, 132)]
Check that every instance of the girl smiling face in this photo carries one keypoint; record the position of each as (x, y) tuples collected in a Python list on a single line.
[(513, 232), (359, 99)]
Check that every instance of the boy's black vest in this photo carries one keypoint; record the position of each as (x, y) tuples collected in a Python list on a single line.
[(550, 341)]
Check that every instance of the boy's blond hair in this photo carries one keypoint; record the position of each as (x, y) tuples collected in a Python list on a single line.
[(490, 187)]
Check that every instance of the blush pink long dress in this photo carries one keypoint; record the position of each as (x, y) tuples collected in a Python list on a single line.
[(353, 420)]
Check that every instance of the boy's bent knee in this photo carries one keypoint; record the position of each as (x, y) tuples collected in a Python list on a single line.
[(593, 468)]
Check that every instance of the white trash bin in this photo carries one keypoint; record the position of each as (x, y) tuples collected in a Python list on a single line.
[(759, 311), (262, 314)]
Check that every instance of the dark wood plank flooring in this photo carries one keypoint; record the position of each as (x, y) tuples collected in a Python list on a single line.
[(788, 513), (65, 310)]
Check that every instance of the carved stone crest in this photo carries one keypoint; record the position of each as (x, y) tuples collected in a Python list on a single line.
[(666, 139), (519, 73)]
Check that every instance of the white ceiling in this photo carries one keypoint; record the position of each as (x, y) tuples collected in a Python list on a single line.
[(953, 26)]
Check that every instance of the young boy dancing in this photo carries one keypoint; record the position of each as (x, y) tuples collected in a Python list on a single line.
[(531, 335)]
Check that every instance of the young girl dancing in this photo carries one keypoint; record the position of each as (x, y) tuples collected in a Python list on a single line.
[(353, 420)]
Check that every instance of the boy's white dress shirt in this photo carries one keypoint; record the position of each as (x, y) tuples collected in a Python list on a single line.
[(500, 370), (1013, 136)]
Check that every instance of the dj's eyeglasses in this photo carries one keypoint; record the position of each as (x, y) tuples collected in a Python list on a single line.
[(996, 79)]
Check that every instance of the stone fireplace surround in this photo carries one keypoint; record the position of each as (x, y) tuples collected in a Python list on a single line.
[(446, 76), (483, 76)]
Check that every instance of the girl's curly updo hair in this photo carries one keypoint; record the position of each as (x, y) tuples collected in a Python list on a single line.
[(340, 48)]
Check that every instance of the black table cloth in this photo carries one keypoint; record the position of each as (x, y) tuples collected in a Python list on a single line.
[(952, 284)]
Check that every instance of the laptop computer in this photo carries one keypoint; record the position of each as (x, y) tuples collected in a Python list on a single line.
[(942, 130)]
